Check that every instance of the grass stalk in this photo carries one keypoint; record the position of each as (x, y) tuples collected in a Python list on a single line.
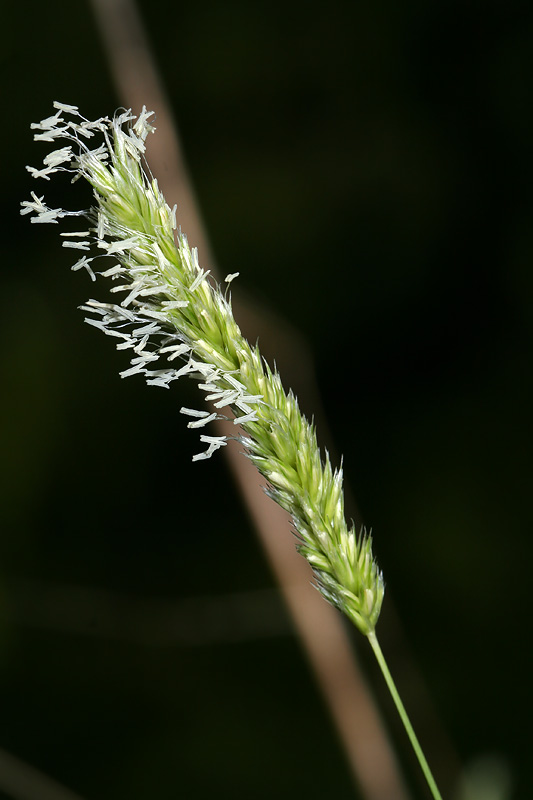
[(372, 638)]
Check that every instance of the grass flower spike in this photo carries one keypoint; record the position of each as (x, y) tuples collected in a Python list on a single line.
[(174, 320)]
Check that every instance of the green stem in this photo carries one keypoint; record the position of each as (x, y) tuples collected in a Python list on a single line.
[(403, 715)]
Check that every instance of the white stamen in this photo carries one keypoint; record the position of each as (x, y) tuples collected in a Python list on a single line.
[(125, 286), (227, 400), (77, 245), (84, 263), (93, 310), (57, 157), (101, 225), (101, 325), (251, 417), (223, 393), (235, 383), (232, 275), (125, 244), (193, 412), (198, 280), (162, 382), (120, 313), (199, 423), (132, 371), (52, 134), (35, 205), (118, 269), (142, 344), (214, 443), (207, 370), (120, 119), (48, 123), (153, 290), (81, 263), (148, 312), (127, 344), (186, 369), (176, 350), (65, 107), (50, 215), (120, 246), (83, 129), (142, 127), (250, 398), (170, 304), (218, 441), (202, 456), (41, 173), (132, 295), (149, 329), (143, 358)]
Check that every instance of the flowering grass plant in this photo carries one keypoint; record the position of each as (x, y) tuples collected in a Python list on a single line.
[(174, 320)]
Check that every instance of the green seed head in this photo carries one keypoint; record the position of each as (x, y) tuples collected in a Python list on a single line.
[(174, 320)]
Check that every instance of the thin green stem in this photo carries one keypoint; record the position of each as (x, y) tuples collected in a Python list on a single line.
[(372, 638)]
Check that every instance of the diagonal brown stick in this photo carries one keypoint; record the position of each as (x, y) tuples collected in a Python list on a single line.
[(20, 781), (320, 628)]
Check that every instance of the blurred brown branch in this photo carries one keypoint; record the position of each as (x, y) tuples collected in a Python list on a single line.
[(20, 781)]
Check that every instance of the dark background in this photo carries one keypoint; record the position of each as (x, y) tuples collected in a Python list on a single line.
[(367, 169)]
